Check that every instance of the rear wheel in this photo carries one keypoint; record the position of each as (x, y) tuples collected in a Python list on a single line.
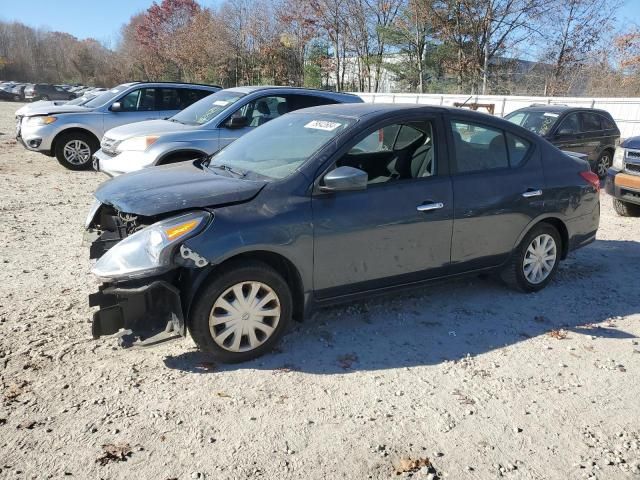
[(75, 150), (626, 209), (602, 164), (242, 313), (535, 260)]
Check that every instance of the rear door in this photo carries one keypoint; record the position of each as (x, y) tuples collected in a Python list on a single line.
[(398, 229), (498, 187), (594, 136)]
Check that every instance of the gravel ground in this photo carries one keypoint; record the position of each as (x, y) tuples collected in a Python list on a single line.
[(481, 381)]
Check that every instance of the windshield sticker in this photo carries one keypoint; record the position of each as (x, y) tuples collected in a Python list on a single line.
[(323, 125), (549, 114), (221, 103)]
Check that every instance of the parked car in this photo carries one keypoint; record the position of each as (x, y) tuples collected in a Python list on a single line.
[(582, 130), (72, 133), (328, 204), (204, 127), (45, 91), (623, 179), (6, 94), (18, 92)]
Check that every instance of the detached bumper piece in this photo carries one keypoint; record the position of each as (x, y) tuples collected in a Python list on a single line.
[(152, 313)]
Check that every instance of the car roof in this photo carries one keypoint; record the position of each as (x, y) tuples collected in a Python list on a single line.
[(176, 84), (257, 88), (554, 108), (359, 110)]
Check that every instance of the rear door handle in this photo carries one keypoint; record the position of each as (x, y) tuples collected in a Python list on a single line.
[(532, 193), (427, 207)]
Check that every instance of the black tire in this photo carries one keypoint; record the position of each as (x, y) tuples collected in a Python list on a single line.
[(85, 139), (231, 275), (626, 209), (513, 273), (602, 164)]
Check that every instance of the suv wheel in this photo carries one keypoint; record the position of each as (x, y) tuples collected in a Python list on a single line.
[(602, 165), (626, 209), (241, 313), (75, 150), (535, 261)]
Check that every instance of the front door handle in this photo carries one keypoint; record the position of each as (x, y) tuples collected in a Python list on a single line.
[(532, 193), (427, 207)]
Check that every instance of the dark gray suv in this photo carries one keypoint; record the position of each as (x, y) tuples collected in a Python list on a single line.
[(328, 204)]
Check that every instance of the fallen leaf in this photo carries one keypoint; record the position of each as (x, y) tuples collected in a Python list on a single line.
[(27, 425), (558, 334), (408, 465), (223, 395), (114, 453)]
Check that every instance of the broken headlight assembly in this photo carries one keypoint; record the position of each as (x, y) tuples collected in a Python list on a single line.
[(149, 251)]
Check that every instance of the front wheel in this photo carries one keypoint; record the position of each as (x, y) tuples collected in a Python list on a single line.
[(75, 150), (626, 209), (242, 312), (535, 260), (602, 165)]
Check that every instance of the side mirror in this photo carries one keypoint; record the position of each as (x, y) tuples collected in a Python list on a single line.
[(116, 107), (344, 179), (237, 122)]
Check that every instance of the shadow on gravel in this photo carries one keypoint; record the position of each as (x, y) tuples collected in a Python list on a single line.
[(450, 321)]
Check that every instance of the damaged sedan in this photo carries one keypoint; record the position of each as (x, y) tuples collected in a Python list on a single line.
[(326, 205)]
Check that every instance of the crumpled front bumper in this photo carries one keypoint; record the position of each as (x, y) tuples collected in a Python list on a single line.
[(150, 308)]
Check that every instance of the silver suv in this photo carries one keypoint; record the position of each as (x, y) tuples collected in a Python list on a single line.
[(72, 133), (205, 127)]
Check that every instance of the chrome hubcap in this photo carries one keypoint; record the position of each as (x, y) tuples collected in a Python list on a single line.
[(77, 152), (540, 258), (244, 316), (603, 165)]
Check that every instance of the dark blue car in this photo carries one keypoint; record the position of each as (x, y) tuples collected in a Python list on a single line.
[(329, 204)]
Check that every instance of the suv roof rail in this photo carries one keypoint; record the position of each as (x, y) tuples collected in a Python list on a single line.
[(175, 83)]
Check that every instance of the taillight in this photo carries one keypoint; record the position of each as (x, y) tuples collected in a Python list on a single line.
[(591, 178)]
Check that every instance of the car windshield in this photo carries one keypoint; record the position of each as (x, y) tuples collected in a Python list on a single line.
[(79, 100), (536, 121), (204, 110), (106, 97), (279, 147)]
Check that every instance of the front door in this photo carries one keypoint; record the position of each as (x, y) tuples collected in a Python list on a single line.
[(136, 106), (398, 229), (498, 187)]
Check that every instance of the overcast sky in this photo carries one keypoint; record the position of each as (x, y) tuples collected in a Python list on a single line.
[(102, 19)]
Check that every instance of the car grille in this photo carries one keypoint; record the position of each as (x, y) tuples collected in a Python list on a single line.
[(633, 168), (633, 153), (108, 146)]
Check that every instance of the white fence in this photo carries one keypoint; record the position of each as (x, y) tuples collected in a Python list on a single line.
[(625, 111)]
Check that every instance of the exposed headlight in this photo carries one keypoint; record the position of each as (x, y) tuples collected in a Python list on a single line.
[(150, 250), (137, 144), (41, 120), (618, 158)]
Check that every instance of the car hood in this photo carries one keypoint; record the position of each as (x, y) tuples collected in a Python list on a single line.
[(174, 188), (633, 142), (147, 127), (50, 108)]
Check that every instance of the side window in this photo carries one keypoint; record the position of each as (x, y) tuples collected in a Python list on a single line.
[(400, 151), (590, 122), (607, 123), (261, 110), (478, 148), (518, 148), (168, 99), (141, 100), (569, 125)]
